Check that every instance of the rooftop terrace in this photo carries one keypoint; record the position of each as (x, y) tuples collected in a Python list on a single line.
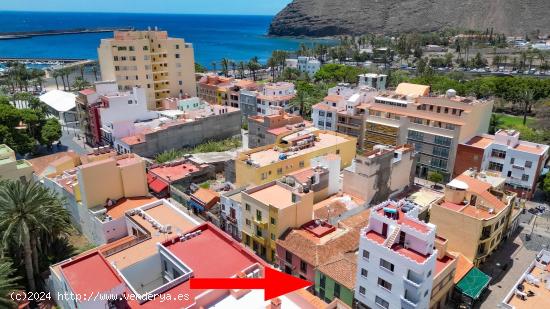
[(264, 156), (535, 279)]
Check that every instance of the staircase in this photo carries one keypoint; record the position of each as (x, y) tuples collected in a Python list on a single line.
[(391, 240)]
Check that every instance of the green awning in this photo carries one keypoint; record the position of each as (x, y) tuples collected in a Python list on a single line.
[(473, 284)]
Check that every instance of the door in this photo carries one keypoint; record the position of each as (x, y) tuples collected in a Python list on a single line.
[(384, 230)]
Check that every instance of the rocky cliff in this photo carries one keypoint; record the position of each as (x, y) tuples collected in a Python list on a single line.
[(334, 17)]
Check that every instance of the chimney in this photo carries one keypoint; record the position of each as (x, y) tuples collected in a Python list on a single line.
[(275, 304)]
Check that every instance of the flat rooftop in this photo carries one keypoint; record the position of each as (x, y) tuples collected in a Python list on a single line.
[(276, 195), (124, 204), (79, 272), (538, 270), (480, 142), (268, 156), (164, 214)]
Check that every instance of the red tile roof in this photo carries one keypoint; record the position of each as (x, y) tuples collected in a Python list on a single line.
[(87, 91), (157, 185)]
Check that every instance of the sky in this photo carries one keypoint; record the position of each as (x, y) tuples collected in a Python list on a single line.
[(236, 7)]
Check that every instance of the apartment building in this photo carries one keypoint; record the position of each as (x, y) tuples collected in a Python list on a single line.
[(435, 125), (98, 188), (398, 261), (11, 168), (163, 66), (323, 113), (476, 215), (207, 87), (222, 90), (308, 65), (376, 175), (269, 210), (294, 152), (275, 95), (213, 122), (520, 162), (376, 81), (268, 129)]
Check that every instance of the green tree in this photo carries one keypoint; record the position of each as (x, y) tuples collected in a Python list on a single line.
[(495, 123), (225, 66), (435, 177), (51, 132), (303, 92), (80, 83), (8, 284), (199, 68), (30, 213), (253, 67)]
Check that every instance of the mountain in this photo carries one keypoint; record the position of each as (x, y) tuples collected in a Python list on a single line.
[(335, 17)]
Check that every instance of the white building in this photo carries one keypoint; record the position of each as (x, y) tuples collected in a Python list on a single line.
[(376, 81), (275, 95), (308, 65), (60, 104), (396, 259), (119, 110), (504, 153), (231, 213)]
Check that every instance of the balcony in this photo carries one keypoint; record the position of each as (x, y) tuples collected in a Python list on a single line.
[(232, 220), (412, 281), (260, 224), (408, 303)]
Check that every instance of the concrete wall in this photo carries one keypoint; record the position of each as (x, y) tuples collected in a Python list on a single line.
[(190, 134), (134, 179), (100, 181)]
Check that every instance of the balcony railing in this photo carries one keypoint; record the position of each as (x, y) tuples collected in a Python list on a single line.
[(411, 281), (408, 303)]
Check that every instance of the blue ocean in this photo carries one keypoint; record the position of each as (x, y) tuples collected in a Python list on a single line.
[(213, 36)]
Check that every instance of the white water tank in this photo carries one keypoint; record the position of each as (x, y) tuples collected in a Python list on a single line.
[(451, 93)]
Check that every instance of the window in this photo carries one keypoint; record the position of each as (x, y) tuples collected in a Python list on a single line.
[(498, 153), (130, 102), (329, 115), (288, 257), (303, 267), (442, 140), (145, 47), (439, 163), (273, 221), (177, 46), (440, 151), (321, 123), (247, 207), (493, 166), (381, 302), (512, 160), (525, 177), (272, 236), (247, 222), (385, 284), (387, 265), (177, 55), (362, 290), (322, 280), (416, 135), (336, 290), (131, 48), (258, 215), (429, 274), (366, 254), (321, 113), (302, 164), (528, 164), (165, 265), (364, 273)]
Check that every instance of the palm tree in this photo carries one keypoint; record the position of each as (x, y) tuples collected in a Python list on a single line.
[(253, 66), (495, 123), (214, 64), (242, 69), (271, 63), (526, 102), (225, 66), (233, 66), (30, 213), (95, 69), (8, 284), (80, 83), (55, 75)]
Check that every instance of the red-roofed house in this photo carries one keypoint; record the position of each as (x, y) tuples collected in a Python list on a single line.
[(266, 130), (180, 173)]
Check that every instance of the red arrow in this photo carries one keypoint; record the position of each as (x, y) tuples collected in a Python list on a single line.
[(274, 284)]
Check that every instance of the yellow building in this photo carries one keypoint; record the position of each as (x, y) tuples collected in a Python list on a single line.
[(163, 66), (268, 211), (11, 168), (291, 153), (475, 215)]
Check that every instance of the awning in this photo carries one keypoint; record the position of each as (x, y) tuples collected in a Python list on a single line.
[(474, 283), (158, 186)]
